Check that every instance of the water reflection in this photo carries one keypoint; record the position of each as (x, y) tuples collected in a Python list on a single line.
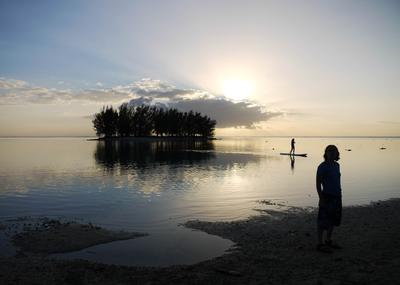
[(142, 154), (221, 178), (151, 186), (292, 161), (146, 155)]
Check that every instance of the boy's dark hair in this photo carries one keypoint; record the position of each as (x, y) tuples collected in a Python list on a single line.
[(332, 149)]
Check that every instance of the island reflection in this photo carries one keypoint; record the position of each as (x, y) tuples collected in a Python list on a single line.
[(142, 155)]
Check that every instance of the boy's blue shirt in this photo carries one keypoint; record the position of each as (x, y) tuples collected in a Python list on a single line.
[(330, 178)]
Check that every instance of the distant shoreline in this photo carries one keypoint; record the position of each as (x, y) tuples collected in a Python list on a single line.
[(153, 138), (217, 137)]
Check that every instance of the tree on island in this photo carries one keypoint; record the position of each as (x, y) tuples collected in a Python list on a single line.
[(147, 120), (106, 122)]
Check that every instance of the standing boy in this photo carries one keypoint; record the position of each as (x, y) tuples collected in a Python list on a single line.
[(330, 198)]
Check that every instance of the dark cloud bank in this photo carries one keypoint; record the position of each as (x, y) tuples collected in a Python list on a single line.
[(225, 112)]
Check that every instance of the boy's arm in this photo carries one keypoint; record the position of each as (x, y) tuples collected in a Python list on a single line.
[(318, 183)]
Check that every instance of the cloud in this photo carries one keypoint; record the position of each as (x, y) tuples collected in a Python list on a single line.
[(157, 89), (17, 91), (389, 122), (7, 84), (21, 92), (102, 95), (14, 91), (146, 91), (228, 113), (140, 101)]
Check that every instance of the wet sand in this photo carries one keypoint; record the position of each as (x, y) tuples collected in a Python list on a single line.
[(272, 248), (53, 236)]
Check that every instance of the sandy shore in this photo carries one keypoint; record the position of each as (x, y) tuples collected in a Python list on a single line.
[(277, 248), (52, 236)]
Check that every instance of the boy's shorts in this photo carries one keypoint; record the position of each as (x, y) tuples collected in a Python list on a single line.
[(330, 211)]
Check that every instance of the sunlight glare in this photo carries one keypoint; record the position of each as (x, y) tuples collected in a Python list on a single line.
[(237, 89)]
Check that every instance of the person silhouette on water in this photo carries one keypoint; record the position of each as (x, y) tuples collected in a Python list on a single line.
[(330, 198), (292, 147)]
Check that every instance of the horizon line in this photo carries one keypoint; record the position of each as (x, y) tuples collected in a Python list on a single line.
[(228, 136)]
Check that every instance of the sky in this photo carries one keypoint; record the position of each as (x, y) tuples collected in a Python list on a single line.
[(292, 68)]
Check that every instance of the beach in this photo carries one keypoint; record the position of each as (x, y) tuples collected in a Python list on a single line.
[(199, 142), (275, 247)]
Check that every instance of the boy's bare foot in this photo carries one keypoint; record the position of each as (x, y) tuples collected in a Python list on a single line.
[(323, 248), (331, 244)]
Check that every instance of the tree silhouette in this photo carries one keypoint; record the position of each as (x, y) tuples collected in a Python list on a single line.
[(105, 123), (144, 120), (125, 120)]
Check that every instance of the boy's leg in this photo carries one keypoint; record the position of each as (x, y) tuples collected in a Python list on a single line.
[(321, 246), (329, 234), (329, 241), (320, 234)]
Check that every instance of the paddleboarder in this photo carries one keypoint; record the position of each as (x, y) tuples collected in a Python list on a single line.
[(292, 147)]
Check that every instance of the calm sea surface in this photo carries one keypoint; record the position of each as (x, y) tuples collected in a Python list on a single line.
[(154, 186)]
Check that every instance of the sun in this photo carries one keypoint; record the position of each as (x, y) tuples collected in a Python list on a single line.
[(237, 89)]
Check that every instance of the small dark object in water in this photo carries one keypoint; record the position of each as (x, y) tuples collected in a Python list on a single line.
[(348, 149), (382, 148)]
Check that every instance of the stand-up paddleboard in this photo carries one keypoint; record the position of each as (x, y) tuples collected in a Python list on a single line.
[(295, 154)]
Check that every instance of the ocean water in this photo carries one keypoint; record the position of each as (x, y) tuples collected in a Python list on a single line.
[(154, 186)]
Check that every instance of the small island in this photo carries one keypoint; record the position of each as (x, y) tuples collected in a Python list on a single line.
[(151, 122)]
